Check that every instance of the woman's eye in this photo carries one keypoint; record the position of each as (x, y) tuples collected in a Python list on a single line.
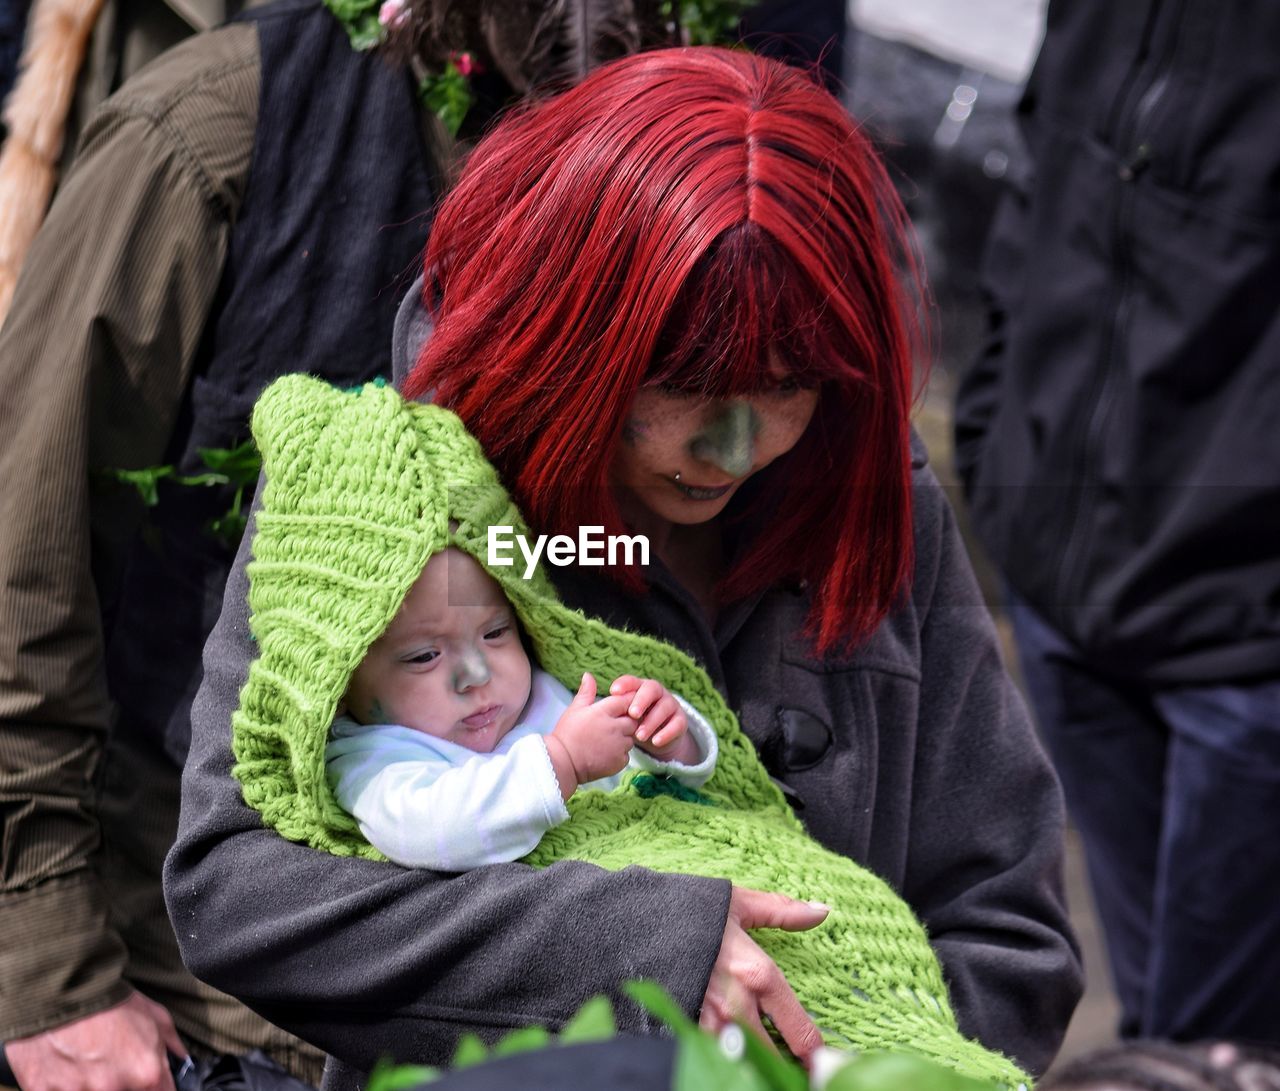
[(423, 658), (792, 385)]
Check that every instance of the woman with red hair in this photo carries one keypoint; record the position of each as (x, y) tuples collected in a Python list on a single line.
[(666, 302), (696, 229)]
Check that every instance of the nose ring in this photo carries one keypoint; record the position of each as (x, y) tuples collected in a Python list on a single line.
[(677, 477)]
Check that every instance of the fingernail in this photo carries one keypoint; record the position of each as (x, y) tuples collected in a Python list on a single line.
[(819, 905)]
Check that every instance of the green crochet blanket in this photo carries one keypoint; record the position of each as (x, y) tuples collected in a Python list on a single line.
[(361, 489)]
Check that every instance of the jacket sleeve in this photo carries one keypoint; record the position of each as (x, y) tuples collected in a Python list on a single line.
[(1002, 274), (691, 776), (94, 357), (987, 819), (421, 811), (368, 959)]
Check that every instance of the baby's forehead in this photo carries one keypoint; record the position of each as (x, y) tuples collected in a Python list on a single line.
[(452, 587)]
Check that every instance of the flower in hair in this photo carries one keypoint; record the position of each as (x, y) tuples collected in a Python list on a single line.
[(393, 14)]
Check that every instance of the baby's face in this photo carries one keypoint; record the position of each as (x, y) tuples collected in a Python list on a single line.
[(450, 663)]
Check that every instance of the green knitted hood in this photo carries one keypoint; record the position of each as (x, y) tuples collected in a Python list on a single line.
[(361, 488)]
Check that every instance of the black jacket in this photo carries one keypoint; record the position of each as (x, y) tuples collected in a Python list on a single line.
[(1120, 441)]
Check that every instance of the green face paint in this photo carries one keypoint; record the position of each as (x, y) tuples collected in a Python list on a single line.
[(471, 670), (634, 430), (729, 440)]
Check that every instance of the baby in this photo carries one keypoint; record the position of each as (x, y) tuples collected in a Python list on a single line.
[(452, 750)]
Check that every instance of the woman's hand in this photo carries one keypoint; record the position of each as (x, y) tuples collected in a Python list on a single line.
[(747, 985)]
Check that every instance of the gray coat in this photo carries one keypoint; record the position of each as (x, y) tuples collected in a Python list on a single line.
[(913, 755)]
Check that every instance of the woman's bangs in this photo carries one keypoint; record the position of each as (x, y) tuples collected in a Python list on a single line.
[(745, 321)]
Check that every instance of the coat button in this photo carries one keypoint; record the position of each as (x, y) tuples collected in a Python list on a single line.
[(804, 741)]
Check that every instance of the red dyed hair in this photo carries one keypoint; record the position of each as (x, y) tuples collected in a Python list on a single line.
[(686, 216)]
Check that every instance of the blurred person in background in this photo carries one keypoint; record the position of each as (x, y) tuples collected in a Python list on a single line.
[(76, 53), (246, 206), (1163, 1066), (1120, 445)]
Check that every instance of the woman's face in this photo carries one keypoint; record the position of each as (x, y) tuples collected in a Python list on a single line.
[(712, 445)]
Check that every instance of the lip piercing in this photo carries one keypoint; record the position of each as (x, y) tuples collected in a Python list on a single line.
[(677, 477)]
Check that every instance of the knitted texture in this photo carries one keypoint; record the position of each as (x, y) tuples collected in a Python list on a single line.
[(360, 490)]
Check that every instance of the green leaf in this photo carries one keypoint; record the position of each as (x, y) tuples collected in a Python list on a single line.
[(144, 480), (360, 20), (388, 1076), (778, 1072), (347, 10), (365, 32), (593, 1022), (894, 1071), (197, 480), (240, 464), (700, 1063), (521, 1041), (229, 528), (447, 94), (471, 1051), (706, 22), (659, 1003)]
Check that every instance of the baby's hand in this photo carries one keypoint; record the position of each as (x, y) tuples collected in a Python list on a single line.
[(661, 726), (595, 737)]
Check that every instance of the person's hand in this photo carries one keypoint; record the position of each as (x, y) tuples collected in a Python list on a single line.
[(593, 737), (746, 984), (661, 726), (120, 1049)]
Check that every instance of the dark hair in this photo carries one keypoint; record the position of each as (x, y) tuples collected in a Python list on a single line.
[(1166, 1066), (682, 216)]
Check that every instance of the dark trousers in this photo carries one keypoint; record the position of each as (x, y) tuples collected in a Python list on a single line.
[(1176, 793)]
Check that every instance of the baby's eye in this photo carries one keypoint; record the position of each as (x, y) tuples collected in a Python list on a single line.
[(498, 631), (422, 658)]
